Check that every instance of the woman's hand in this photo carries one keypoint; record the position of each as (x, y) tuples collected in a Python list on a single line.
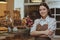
[(48, 32)]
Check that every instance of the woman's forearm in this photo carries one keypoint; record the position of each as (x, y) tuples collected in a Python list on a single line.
[(36, 33)]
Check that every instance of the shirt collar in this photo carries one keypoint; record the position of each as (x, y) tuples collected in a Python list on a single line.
[(45, 18)]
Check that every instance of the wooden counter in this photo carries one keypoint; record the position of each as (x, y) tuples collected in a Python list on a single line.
[(22, 34)]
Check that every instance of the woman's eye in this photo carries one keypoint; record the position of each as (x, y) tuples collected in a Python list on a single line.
[(41, 9)]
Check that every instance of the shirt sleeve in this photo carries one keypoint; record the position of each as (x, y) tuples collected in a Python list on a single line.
[(52, 25), (33, 28)]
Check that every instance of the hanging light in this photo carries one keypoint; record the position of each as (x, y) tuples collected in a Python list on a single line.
[(36, 0), (3, 2)]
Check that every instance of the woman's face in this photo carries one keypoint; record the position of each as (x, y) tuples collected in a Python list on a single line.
[(43, 11)]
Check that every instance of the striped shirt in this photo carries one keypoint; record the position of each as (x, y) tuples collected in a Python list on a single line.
[(48, 20)]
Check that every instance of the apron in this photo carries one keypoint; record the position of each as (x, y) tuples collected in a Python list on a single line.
[(42, 38), (40, 28)]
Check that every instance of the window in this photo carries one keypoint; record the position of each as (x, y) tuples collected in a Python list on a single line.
[(56, 13)]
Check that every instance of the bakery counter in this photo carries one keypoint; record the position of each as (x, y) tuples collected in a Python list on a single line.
[(4, 36), (21, 34)]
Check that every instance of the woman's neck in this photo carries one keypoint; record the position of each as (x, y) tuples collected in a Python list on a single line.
[(44, 17)]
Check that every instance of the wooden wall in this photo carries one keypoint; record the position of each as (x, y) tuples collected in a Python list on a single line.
[(3, 7), (9, 6)]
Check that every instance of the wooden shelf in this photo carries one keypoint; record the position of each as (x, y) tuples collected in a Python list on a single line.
[(31, 3), (30, 6)]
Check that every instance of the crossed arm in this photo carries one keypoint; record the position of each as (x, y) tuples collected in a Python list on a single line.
[(38, 33), (41, 33), (49, 31)]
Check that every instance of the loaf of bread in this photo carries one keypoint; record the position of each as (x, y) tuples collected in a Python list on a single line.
[(3, 29)]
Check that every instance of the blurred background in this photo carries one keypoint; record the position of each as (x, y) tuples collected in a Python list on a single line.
[(15, 15)]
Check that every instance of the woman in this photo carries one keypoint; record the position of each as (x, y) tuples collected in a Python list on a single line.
[(45, 22)]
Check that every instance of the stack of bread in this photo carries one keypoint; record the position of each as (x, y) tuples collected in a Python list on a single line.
[(3, 29)]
